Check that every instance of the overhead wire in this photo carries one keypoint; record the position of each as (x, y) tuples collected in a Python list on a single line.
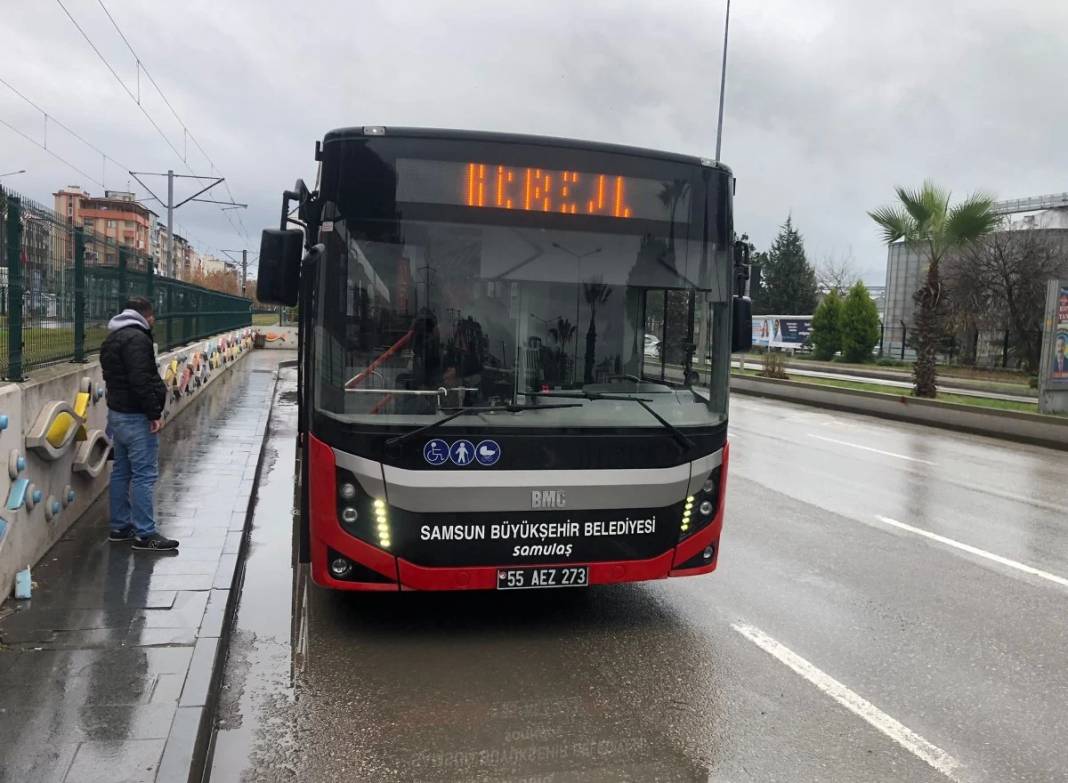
[(137, 101), (65, 127), (133, 97), (169, 105), (61, 159)]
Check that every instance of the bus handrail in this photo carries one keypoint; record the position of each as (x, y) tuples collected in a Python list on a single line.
[(359, 378)]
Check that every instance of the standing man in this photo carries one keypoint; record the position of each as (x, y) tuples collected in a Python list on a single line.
[(136, 396)]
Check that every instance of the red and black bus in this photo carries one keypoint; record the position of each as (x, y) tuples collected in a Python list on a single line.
[(514, 358)]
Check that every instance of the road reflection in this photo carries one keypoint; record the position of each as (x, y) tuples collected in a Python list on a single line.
[(549, 686), (557, 685)]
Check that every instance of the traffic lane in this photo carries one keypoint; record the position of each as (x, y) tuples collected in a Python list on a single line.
[(969, 657), (605, 684), (616, 683), (868, 487), (972, 459), (987, 493)]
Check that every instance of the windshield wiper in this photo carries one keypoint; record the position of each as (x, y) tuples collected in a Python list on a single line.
[(510, 408), (676, 433)]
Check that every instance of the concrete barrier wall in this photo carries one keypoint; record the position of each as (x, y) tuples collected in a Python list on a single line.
[(278, 336), (1023, 427), (53, 444)]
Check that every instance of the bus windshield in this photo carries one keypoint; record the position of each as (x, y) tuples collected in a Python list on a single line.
[(421, 317)]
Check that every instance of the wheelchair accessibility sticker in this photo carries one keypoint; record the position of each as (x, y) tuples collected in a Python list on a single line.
[(461, 452), (435, 452)]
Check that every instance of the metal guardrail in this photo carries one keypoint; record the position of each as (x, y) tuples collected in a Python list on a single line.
[(60, 284), (1031, 204)]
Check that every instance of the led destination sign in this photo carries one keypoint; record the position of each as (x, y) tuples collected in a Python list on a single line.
[(484, 185)]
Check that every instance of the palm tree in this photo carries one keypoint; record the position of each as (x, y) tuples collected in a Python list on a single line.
[(595, 293), (562, 332), (670, 195), (925, 217)]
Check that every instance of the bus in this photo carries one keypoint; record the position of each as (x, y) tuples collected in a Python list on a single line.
[(478, 405)]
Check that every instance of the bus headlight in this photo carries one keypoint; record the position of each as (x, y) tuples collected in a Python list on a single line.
[(360, 513), (709, 485), (705, 508), (340, 567)]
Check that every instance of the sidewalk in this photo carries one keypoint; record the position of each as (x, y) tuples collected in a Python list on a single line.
[(105, 674)]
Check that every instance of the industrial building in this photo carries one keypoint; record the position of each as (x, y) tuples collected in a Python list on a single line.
[(906, 268)]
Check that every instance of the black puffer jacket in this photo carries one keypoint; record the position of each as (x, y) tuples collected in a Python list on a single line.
[(128, 360)]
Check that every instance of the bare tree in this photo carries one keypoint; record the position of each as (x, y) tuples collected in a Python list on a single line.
[(837, 273), (999, 283)]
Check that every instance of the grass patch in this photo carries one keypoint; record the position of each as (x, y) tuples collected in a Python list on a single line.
[(265, 319), (1009, 381), (960, 399)]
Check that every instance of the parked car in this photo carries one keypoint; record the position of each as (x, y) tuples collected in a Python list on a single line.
[(652, 346)]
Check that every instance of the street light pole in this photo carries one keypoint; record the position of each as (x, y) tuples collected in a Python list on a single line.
[(13, 173), (723, 80)]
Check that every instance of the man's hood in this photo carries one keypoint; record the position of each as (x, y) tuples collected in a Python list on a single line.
[(128, 318)]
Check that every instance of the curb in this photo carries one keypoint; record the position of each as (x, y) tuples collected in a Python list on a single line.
[(1031, 428), (193, 731)]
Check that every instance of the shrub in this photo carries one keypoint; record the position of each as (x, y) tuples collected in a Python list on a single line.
[(858, 325), (774, 365), (826, 334)]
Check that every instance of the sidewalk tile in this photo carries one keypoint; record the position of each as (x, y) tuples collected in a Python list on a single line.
[(117, 649), (131, 761)]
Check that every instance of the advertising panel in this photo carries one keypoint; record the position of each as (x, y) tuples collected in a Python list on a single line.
[(1058, 361), (778, 331)]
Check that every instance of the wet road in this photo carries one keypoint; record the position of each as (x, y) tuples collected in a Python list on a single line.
[(890, 606)]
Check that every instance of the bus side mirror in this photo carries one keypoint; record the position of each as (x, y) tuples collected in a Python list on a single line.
[(278, 280), (741, 324)]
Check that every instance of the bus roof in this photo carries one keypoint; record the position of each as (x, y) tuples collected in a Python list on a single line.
[(372, 131)]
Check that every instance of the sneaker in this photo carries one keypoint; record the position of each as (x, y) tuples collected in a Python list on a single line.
[(155, 543), (124, 534)]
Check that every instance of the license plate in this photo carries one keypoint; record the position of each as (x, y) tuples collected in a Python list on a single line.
[(534, 578)]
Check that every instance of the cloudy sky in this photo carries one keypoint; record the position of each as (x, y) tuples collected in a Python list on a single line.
[(829, 102)]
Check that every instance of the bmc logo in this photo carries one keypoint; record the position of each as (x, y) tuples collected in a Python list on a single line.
[(548, 498)]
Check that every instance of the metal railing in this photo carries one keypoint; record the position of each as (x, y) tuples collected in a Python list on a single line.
[(60, 284)]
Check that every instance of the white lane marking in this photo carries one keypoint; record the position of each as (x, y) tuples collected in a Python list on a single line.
[(858, 705), (1060, 580), (869, 448)]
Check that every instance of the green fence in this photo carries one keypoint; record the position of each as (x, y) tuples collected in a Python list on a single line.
[(60, 284)]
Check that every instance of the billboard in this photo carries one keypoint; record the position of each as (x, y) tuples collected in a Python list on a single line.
[(1058, 360), (782, 331)]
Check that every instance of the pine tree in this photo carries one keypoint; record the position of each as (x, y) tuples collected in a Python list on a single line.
[(826, 327), (859, 325), (789, 281), (758, 291)]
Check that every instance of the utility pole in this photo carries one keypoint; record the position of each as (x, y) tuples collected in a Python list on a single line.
[(723, 80), (169, 267), (244, 266), (171, 205)]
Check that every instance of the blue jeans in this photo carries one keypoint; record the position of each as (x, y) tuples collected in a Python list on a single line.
[(133, 474)]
